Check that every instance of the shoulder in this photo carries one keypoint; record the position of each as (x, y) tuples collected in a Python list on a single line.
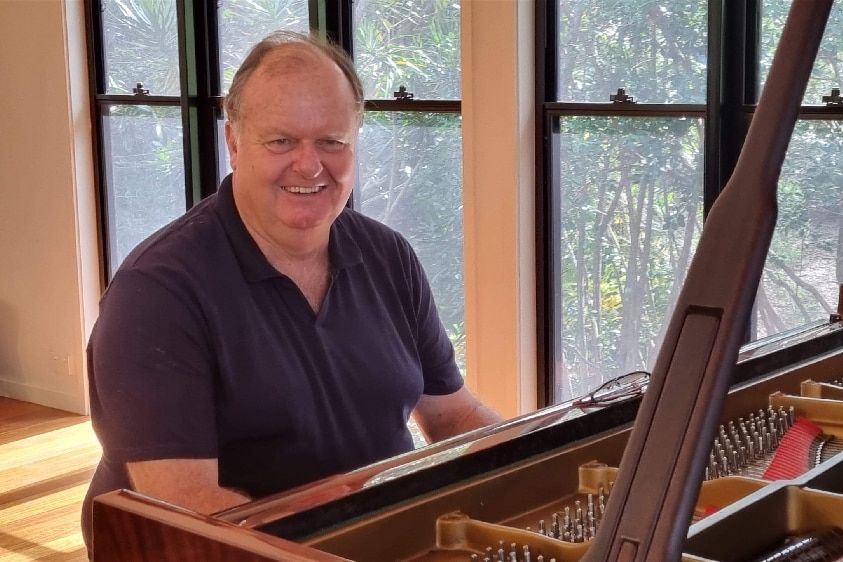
[(371, 236), (192, 232), (386, 255), (180, 258)]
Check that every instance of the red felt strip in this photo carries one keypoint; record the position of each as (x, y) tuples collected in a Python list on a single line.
[(793, 457)]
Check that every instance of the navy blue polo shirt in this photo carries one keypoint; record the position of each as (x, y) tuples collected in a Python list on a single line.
[(203, 350)]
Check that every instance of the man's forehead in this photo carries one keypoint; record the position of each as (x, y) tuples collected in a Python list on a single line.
[(304, 72), (293, 58)]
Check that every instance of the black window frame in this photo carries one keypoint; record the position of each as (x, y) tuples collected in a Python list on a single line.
[(732, 91)]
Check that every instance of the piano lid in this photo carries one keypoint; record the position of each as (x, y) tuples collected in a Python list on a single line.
[(664, 461)]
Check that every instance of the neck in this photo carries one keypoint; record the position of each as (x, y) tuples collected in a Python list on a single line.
[(294, 250), (283, 245), (308, 265), (288, 250)]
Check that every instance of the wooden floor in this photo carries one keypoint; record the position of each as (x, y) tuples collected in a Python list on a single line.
[(47, 458)]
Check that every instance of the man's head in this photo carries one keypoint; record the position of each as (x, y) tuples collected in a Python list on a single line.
[(294, 111), (274, 43)]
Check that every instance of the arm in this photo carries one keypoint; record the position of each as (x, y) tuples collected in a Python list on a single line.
[(152, 398), (441, 417), (190, 483)]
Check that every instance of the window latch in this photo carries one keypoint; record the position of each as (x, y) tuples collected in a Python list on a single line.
[(621, 97), (403, 94), (834, 98), (139, 90)]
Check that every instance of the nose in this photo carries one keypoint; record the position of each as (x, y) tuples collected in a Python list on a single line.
[(307, 162)]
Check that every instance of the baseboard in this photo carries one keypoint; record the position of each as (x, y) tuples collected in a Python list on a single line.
[(43, 396)]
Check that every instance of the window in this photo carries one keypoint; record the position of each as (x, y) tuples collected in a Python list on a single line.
[(624, 170), (410, 174), (161, 68), (636, 154), (141, 125), (803, 275)]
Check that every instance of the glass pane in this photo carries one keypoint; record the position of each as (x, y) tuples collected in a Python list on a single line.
[(803, 269), (656, 51), (410, 178), (146, 176), (242, 23), (141, 46), (415, 44), (224, 161), (826, 72), (630, 192)]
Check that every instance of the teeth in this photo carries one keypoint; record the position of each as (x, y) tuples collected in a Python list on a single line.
[(299, 189)]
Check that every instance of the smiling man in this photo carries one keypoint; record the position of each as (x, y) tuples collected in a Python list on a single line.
[(271, 336)]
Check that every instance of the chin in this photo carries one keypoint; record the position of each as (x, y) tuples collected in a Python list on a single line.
[(307, 223)]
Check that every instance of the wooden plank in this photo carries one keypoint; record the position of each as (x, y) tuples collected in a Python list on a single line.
[(19, 420), (47, 458), (44, 527)]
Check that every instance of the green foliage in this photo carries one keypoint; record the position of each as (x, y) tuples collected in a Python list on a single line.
[(826, 73), (141, 46), (630, 199), (245, 22), (656, 50), (631, 189), (414, 43), (145, 171), (803, 271)]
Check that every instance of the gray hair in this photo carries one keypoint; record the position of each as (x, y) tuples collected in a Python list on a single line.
[(275, 42)]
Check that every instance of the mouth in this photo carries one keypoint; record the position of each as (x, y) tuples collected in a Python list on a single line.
[(303, 190)]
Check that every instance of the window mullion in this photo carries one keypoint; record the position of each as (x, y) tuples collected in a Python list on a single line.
[(205, 95), (187, 97), (733, 89), (548, 346), (96, 83), (752, 51), (431, 106), (336, 16)]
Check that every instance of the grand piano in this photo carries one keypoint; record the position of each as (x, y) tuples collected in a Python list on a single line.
[(447, 501), (724, 453)]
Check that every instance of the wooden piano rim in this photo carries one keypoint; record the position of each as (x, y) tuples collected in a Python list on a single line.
[(141, 528)]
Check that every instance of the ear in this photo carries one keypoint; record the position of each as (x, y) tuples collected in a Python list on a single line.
[(231, 141)]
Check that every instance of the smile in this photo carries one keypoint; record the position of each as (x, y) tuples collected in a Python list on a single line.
[(304, 190)]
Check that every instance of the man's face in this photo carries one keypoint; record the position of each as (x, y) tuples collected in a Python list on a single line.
[(294, 156)]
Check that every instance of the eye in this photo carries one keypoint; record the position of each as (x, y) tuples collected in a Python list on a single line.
[(279, 145), (331, 145)]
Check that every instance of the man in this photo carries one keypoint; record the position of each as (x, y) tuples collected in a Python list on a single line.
[(271, 337)]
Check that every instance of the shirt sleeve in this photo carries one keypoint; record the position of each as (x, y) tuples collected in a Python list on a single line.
[(151, 373), (436, 352)]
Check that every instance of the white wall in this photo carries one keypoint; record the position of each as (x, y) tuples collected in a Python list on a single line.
[(49, 287), (47, 229)]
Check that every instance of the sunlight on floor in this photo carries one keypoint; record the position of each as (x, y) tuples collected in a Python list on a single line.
[(46, 462)]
